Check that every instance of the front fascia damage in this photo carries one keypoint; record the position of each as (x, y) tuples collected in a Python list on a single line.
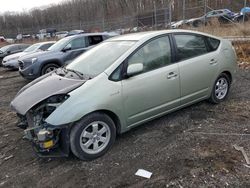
[(47, 139)]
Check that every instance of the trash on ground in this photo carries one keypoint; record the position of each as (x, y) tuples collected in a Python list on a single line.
[(143, 173), (9, 157), (241, 149)]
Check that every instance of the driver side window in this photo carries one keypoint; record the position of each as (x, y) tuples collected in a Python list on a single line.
[(76, 44), (153, 55)]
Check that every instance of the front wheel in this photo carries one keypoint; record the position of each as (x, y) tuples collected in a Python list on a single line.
[(93, 136), (49, 68), (220, 89)]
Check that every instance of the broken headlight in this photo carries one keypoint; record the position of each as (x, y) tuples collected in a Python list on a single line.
[(41, 111)]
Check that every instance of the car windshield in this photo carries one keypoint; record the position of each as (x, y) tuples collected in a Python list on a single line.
[(4, 49), (60, 44), (32, 48), (99, 58)]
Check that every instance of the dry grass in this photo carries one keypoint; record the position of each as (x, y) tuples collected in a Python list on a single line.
[(214, 27)]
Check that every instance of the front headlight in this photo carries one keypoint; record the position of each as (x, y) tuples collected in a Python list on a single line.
[(34, 60)]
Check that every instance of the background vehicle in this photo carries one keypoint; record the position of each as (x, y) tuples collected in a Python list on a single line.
[(243, 15), (61, 53), (2, 39), (122, 83), (61, 34), (223, 15), (11, 49), (75, 32), (11, 61)]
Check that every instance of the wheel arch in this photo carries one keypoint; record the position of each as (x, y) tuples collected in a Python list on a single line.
[(57, 62), (112, 115), (228, 73)]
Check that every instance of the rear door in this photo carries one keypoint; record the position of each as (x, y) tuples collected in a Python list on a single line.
[(198, 66), (156, 90)]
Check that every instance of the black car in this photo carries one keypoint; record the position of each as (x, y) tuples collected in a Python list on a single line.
[(11, 49), (59, 54)]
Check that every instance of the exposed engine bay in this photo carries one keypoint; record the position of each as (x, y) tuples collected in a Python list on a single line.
[(43, 136)]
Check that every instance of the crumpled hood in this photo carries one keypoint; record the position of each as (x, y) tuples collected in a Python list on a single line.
[(42, 88), (14, 56)]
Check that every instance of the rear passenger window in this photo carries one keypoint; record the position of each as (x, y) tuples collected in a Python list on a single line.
[(189, 46), (93, 40), (213, 43)]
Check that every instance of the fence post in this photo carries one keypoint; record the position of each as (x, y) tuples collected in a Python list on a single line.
[(170, 12), (155, 19), (184, 9), (205, 11), (244, 14)]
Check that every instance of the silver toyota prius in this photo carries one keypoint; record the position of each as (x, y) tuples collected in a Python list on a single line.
[(120, 84)]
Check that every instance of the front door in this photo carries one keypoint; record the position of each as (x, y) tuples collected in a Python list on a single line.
[(155, 90)]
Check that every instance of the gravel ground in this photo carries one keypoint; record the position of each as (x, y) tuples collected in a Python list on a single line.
[(192, 147)]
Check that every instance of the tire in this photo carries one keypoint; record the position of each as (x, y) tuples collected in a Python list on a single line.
[(220, 89), (49, 68), (197, 23), (92, 136)]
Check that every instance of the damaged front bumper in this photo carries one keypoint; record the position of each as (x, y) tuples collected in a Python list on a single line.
[(48, 140)]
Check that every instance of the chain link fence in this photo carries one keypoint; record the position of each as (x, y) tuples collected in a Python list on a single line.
[(153, 19)]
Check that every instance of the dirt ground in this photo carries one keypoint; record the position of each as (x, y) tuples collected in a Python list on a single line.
[(192, 147)]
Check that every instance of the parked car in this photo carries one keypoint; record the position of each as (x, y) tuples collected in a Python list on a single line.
[(75, 32), (223, 15), (121, 83), (59, 54), (11, 61), (61, 34), (243, 15), (178, 24), (11, 49), (2, 39)]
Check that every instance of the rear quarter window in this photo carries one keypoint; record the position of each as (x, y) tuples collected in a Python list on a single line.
[(93, 40), (189, 46), (213, 43)]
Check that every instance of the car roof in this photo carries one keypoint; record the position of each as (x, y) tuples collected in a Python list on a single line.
[(150, 34), (87, 34), (47, 42)]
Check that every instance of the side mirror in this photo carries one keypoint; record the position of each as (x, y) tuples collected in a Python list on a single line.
[(67, 48), (8, 52), (134, 69)]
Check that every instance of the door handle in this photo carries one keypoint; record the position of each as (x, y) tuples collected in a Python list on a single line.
[(213, 61), (172, 75)]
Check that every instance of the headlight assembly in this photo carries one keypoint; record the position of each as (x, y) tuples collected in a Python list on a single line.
[(34, 60)]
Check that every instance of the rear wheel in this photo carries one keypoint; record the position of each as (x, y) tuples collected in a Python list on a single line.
[(220, 89), (93, 136), (49, 68)]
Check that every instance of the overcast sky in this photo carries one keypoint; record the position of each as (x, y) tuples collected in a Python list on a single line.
[(20, 5)]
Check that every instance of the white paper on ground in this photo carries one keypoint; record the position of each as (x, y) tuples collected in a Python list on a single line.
[(143, 173)]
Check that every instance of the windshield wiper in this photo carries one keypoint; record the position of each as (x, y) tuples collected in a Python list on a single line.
[(79, 74)]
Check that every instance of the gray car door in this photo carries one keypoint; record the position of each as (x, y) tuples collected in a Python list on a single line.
[(156, 90), (77, 46)]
